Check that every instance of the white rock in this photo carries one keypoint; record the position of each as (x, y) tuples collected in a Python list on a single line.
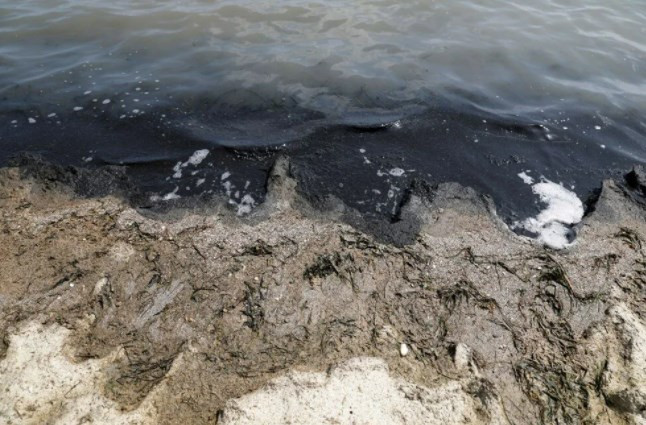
[(100, 284)]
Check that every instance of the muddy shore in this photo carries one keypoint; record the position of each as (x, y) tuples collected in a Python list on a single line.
[(308, 314)]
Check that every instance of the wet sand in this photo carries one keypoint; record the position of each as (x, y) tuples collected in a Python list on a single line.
[(297, 314)]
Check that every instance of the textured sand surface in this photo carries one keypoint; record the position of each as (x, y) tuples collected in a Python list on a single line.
[(298, 315)]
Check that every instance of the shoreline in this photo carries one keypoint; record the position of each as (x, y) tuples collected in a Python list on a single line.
[(199, 316), (367, 166)]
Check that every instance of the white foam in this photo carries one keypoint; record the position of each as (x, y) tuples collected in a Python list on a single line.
[(397, 172), (167, 197), (197, 157), (526, 178), (194, 160), (52, 115), (228, 186), (31, 120), (553, 223), (225, 175), (246, 205), (78, 108), (106, 101), (178, 170), (171, 195)]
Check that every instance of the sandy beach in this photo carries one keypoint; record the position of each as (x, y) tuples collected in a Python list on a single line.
[(311, 315)]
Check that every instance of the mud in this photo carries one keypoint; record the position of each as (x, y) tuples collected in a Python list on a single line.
[(298, 314)]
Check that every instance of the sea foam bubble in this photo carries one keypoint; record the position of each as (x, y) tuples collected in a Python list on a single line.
[(563, 210)]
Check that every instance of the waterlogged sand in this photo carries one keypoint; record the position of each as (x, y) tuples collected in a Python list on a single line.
[(302, 315)]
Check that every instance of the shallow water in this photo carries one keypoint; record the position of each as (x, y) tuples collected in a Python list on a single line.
[(468, 91), (508, 56)]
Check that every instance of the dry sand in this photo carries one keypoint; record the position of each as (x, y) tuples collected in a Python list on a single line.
[(300, 315)]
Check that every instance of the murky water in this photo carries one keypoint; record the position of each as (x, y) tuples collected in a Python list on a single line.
[(463, 90)]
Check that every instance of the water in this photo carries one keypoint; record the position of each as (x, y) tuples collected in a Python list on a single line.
[(469, 91)]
